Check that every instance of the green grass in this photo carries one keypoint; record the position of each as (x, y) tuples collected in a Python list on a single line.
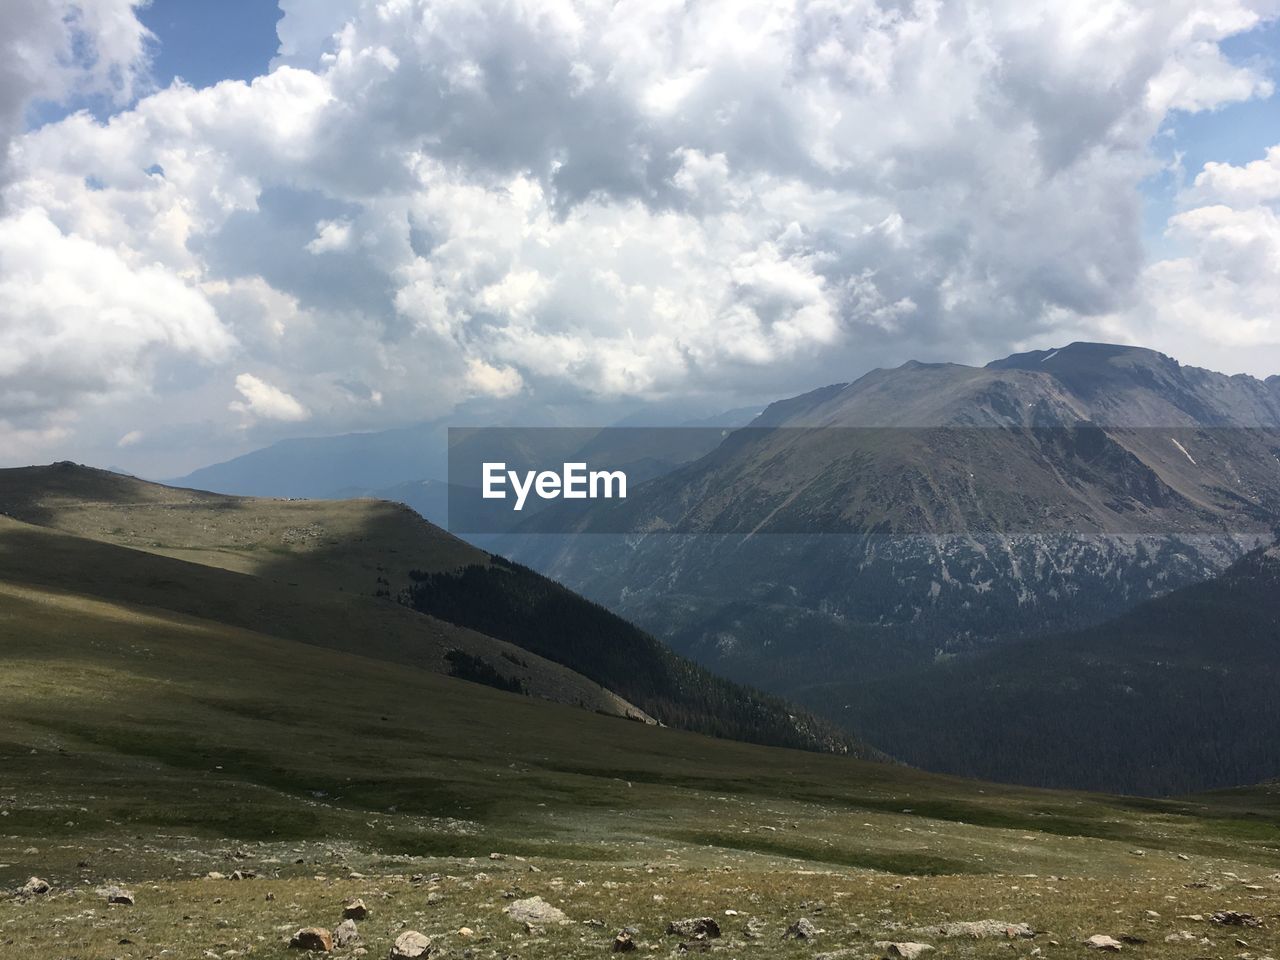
[(143, 740)]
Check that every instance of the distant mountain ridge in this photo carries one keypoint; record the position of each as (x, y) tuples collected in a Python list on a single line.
[(1156, 476)]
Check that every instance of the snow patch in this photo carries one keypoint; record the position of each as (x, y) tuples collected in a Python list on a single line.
[(1184, 452)]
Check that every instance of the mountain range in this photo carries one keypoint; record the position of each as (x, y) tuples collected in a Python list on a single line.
[(866, 541)]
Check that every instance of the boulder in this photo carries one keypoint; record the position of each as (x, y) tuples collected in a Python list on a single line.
[(312, 938), (535, 910), (697, 928), (411, 945), (354, 910)]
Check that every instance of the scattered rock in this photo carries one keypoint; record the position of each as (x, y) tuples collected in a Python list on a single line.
[(978, 930), (906, 951), (1233, 918), (802, 929), (354, 910), (754, 929), (118, 895), (466, 932), (697, 928), (535, 910), (410, 945), (214, 875), (1100, 941), (434, 898), (623, 943), (345, 933), (35, 887), (312, 938)]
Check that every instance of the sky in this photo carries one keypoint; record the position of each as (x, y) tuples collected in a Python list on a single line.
[(224, 224)]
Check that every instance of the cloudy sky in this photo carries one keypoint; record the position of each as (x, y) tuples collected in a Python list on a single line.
[(221, 224)]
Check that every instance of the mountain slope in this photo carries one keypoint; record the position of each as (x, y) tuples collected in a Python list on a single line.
[(1175, 696), (328, 573), (242, 786), (961, 507)]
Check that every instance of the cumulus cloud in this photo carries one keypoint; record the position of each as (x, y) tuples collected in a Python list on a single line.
[(1218, 297), (267, 402), (425, 202), (81, 323), (55, 49)]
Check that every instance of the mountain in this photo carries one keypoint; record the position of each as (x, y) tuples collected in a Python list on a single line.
[(934, 510), (165, 744), (321, 466), (329, 573), (1176, 696), (410, 464)]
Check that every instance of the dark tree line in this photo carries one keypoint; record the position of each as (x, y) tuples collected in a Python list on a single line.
[(513, 603)]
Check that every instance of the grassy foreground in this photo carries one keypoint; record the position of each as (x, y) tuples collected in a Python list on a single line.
[(148, 748)]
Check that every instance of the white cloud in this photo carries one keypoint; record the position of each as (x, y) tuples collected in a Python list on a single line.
[(130, 438), (267, 402), (80, 323), (55, 49), (1218, 298), (331, 236), (488, 380)]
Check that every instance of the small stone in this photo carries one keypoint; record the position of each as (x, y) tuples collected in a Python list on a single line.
[(1233, 918), (905, 951), (345, 933), (754, 929), (410, 945), (1101, 941), (119, 895), (312, 938), (697, 928), (802, 929), (535, 910), (623, 943), (354, 910), (35, 887), (434, 898), (214, 875), (466, 932)]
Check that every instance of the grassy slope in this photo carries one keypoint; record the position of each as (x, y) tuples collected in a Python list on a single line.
[(151, 746), (330, 557)]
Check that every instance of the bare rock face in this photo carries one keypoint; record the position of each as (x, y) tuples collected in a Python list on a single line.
[(1101, 941), (411, 945), (35, 887), (345, 934), (355, 910), (312, 938), (697, 928), (535, 911)]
